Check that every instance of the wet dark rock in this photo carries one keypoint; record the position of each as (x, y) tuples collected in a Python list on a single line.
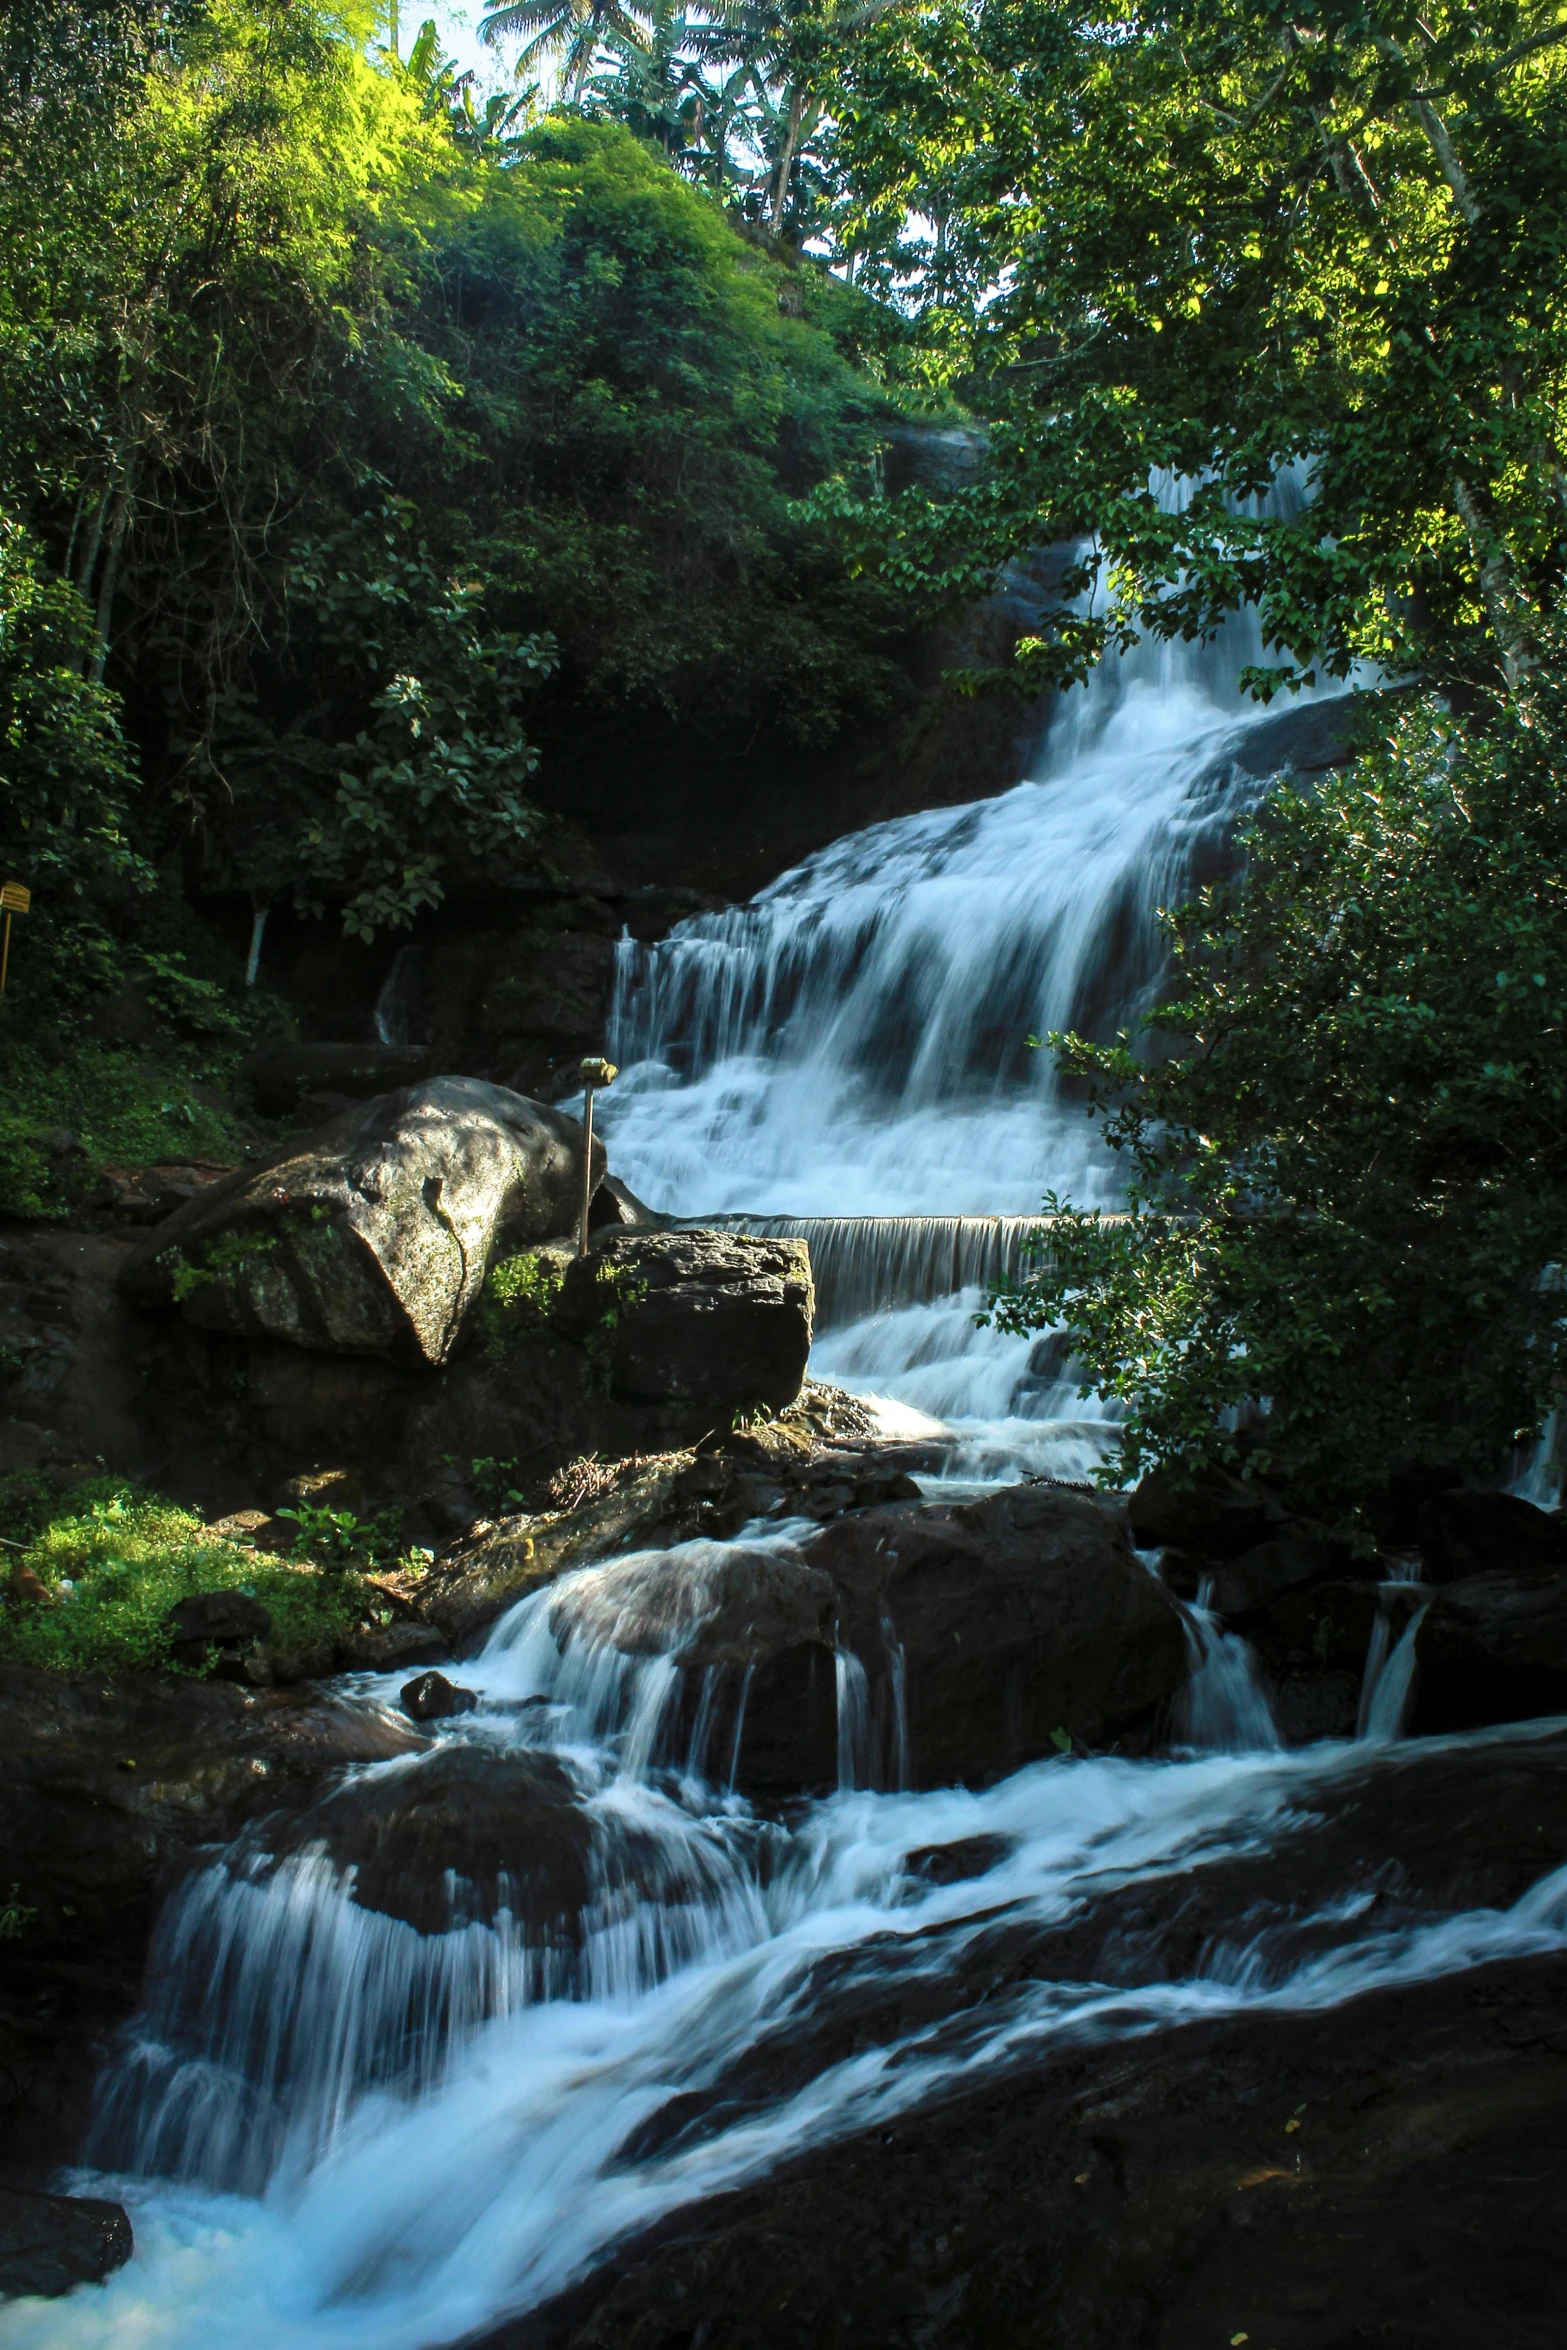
[(615, 1204), (49, 2244), (432, 1698), (1393, 1512), (215, 1619), (1006, 1622), (280, 1080), (455, 1835), (108, 1784), (711, 1323), (1018, 1616), (1463, 1534), (955, 1864), (1392, 2169), (1152, 2194), (389, 1648), (1252, 1582), (1493, 1648), (1309, 1706), (1325, 1627), (1209, 1513), (374, 1235)]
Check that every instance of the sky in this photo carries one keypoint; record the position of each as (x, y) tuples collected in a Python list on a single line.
[(460, 32)]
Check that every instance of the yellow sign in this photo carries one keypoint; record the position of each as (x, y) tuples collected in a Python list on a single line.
[(14, 899)]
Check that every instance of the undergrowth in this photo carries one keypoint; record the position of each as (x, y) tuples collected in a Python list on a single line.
[(61, 1120), (112, 1561)]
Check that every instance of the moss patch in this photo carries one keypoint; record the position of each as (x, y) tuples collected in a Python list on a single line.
[(111, 1562), (63, 1120)]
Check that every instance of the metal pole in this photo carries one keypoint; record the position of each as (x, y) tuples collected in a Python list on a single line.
[(587, 1163)]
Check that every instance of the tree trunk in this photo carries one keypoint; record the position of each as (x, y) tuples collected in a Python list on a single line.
[(786, 160)]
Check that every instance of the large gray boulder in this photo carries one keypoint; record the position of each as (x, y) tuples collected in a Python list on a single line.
[(372, 1235), (711, 1323)]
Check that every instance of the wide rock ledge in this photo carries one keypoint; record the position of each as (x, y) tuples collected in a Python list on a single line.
[(917, 1644), (373, 1235)]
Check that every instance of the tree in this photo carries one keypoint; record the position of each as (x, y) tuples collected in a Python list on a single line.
[(571, 30), (1348, 1153), (658, 88), (1218, 242)]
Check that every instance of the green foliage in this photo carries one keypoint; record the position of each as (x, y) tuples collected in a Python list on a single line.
[(339, 1538), (1349, 1187), (117, 1108), (224, 1256), (493, 1483), (518, 1304), (16, 1916), (114, 1561), (1223, 240), (67, 773), (366, 441)]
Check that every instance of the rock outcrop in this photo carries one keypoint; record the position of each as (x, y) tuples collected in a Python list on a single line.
[(1390, 2168), (1021, 1617), (918, 1643), (1464, 1533), (51, 2243), (462, 1833), (1493, 1648), (283, 1080), (708, 1324), (372, 1236), (107, 1784)]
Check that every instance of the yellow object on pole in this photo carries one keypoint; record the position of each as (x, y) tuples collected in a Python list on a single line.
[(15, 898), (595, 1072)]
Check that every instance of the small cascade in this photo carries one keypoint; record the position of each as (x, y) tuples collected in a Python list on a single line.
[(1387, 1681), (867, 1265), (397, 1007), (1538, 1471), (1224, 1707)]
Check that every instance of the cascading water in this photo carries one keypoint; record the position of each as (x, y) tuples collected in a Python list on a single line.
[(855, 1043), (333, 2128)]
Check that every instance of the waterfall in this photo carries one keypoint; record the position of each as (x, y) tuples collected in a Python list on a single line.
[(376, 2102), (849, 1054), (1224, 1706), (398, 2138), (1388, 1679)]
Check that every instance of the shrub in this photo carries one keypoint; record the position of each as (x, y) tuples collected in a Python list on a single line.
[(1348, 1185)]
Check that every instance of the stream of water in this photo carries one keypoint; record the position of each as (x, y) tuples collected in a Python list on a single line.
[(333, 2128)]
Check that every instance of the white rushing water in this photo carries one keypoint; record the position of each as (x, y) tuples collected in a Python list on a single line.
[(855, 1043), (338, 2130)]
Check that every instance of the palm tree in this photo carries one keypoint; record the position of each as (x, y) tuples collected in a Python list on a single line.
[(661, 88), (572, 30), (781, 45)]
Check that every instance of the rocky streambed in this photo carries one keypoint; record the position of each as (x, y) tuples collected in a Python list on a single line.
[(806, 1906)]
